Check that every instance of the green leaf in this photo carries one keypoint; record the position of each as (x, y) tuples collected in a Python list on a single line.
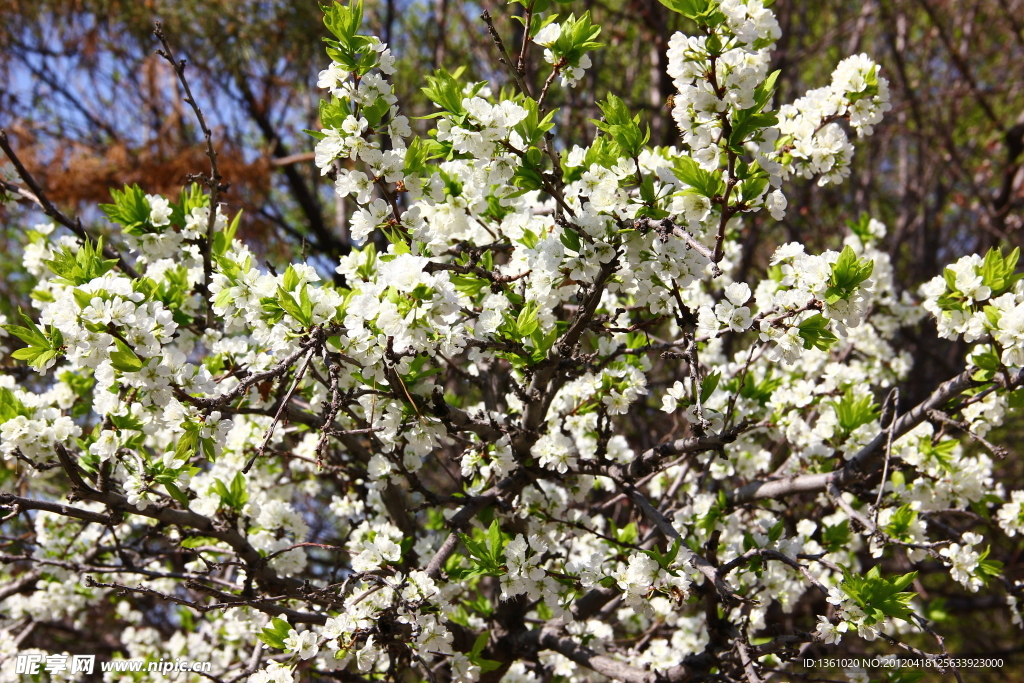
[(197, 541), (177, 494), (188, 443), (343, 21), (527, 321), (30, 334), (532, 128), (691, 9), (627, 535), (942, 453), (623, 129), (746, 123), (837, 536), (443, 90), (291, 278), (275, 634), (487, 550), (78, 268), (899, 525), (496, 542), (763, 93), (853, 411), (293, 308), (997, 271), (124, 359), (10, 406), (129, 422), (577, 37), (130, 210), (708, 386), (333, 112), (878, 596), (815, 333), (848, 272), (306, 306), (375, 112), (234, 496), (987, 568), (702, 182), (571, 239)]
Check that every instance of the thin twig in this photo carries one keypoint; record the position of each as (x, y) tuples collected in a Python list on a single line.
[(284, 401), (35, 193), (503, 57), (212, 181)]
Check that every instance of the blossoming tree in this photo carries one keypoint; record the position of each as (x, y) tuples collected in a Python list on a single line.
[(534, 427)]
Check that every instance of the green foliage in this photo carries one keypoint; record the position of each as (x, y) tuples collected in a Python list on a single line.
[(986, 360), (487, 552), (354, 52), (623, 129), (935, 610), (941, 453), (703, 182), (627, 535), (477, 658), (168, 477), (343, 21), (125, 359), (234, 495), (848, 272), (275, 634), (570, 239), (756, 391), (443, 90), (333, 113), (717, 512), (708, 385), (78, 268), (577, 37), (987, 568), (192, 443), (751, 120), (130, 210), (880, 597), (530, 173), (222, 239), (533, 127), (301, 310), (860, 227), (997, 271), (754, 180), (666, 559), (10, 406), (815, 333), (417, 372), (698, 10), (41, 348), (870, 88), (522, 326), (417, 154), (836, 536), (853, 411), (900, 523)]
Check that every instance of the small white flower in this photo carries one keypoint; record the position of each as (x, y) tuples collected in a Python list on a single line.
[(304, 644)]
